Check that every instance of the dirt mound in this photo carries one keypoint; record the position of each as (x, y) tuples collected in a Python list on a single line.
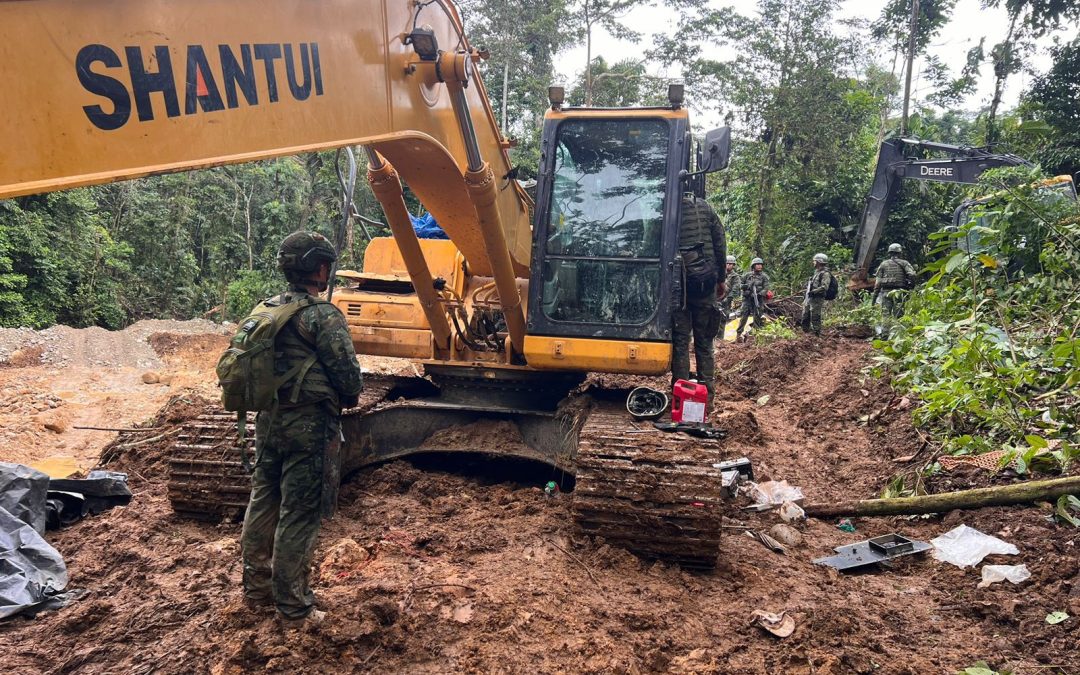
[(197, 347), (145, 453), (96, 347)]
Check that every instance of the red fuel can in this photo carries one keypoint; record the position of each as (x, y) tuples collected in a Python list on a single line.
[(688, 401)]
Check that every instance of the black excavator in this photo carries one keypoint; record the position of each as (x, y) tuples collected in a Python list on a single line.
[(954, 164)]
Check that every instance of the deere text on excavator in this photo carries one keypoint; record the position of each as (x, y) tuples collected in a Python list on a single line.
[(507, 316), (960, 164)]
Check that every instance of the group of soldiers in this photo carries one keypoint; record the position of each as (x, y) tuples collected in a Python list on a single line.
[(703, 315)]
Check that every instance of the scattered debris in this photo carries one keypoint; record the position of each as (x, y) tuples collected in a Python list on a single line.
[(992, 574), (781, 625), (846, 524), (786, 534), (644, 403), (764, 399), (773, 493), (873, 551), (790, 512), (769, 542), (966, 547), (1055, 618)]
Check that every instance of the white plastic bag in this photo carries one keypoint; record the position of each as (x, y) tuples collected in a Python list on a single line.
[(791, 512), (774, 492), (991, 574), (966, 547)]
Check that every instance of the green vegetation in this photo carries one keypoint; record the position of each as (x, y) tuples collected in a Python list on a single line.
[(990, 346), (807, 100)]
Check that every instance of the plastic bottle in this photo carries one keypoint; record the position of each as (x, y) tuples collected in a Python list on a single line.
[(551, 489)]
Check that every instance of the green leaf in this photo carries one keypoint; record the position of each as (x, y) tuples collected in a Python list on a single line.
[(1036, 442), (988, 261), (1064, 505), (955, 261), (1054, 618)]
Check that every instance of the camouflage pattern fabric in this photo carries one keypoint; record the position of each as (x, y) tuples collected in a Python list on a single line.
[(734, 281), (297, 467), (814, 301), (894, 273), (283, 515), (699, 225), (702, 318), (751, 282)]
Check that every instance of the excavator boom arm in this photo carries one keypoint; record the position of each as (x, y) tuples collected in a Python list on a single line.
[(964, 165), (105, 90)]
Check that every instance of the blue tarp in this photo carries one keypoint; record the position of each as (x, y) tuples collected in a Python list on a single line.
[(426, 227)]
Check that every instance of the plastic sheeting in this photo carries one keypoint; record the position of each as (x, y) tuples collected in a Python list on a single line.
[(32, 573), (966, 547), (427, 228), (992, 574), (23, 492)]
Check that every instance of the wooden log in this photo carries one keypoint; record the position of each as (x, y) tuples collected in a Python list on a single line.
[(1004, 495)]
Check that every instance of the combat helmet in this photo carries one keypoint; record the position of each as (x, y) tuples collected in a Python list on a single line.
[(731, 260), (301, 254), (821, 258), (757, 261), (895, 248)]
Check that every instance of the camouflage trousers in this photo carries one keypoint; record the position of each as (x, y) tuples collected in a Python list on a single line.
[(700, 318), (891, 301), (811, 314), (297, 453), (745, 312)]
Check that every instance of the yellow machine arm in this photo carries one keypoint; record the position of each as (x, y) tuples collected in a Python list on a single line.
[(101, 90)]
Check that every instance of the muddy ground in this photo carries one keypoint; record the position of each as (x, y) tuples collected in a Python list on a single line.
[(458, 565)]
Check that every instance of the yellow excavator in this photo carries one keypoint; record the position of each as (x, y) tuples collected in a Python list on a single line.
[(506, 317)]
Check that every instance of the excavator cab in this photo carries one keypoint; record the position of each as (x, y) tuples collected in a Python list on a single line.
[(605, 235)]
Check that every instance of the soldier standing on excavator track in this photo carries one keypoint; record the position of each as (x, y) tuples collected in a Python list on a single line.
[(297, 468), (755, 291), (733, 282), (894, 276), (817, 290), (702, 246)]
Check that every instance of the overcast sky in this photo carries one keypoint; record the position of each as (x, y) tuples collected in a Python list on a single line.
[(969, 23)]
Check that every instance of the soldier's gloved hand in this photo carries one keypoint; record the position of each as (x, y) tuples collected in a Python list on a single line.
[(350, 401)]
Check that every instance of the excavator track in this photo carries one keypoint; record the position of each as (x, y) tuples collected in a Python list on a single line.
[(656, 494), (207, 479)]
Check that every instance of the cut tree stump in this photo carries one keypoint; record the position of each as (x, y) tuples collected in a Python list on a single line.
[(1005, 495)]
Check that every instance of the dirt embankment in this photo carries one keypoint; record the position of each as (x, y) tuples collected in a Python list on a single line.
[(435, 570)]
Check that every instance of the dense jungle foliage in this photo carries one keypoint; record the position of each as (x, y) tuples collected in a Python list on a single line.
[(809, 98), (990, 345)]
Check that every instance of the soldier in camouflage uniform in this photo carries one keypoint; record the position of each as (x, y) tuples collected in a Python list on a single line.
[(814, 302), (297, 466), (702, 243), (755, 291), (733, 281), (894, 277)]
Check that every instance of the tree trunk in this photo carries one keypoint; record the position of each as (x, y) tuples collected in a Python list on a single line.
[(1005, 495), (1000, 75), (765, 188), (588, 56)]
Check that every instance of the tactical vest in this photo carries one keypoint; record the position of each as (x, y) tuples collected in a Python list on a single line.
[(293, 346), (891, 274)]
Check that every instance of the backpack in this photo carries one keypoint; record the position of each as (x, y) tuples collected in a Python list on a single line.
[(246, 369), (833, 289), (700, 271)]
